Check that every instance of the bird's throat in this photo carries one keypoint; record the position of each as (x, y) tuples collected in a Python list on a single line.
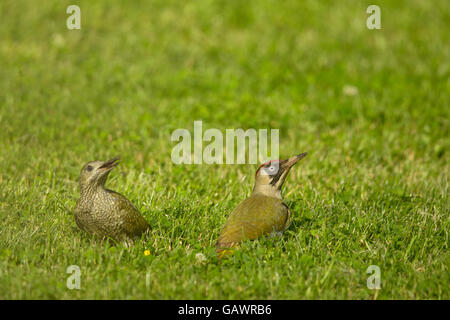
[(268, 191), (89, 190)]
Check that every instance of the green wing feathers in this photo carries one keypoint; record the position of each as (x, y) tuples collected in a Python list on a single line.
[(134, 224), (254, 217)]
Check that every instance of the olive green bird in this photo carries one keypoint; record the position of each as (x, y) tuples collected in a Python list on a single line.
[(264, 212), (104, 212)]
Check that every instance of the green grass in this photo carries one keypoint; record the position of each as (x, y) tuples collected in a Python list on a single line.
[(372, 191)]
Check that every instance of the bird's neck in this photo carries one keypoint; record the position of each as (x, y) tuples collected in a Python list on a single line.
[(89, 190), (268, 191)]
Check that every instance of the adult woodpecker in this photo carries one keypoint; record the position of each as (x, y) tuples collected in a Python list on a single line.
[(264, 212), (104, 212)]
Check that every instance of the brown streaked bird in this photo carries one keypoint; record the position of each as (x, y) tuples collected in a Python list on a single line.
[(104, 212), (264, 212)]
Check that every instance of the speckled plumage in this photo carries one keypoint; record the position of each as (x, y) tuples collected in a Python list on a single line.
[(104, 212)]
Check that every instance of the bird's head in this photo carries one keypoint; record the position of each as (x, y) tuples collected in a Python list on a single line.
[(270, 176), (95, 173)]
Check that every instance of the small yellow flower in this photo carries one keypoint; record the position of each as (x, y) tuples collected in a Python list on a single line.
[(147, 252)]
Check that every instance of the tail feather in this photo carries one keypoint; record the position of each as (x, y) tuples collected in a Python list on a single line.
[(224, 249)]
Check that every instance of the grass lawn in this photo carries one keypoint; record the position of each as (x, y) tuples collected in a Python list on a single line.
[(371, 107)]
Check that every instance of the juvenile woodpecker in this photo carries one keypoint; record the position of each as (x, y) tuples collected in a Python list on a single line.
[(264, 212), (104, 212)]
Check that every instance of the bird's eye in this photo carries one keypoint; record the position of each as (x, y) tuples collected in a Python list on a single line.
[(269, 170), (89, 168)]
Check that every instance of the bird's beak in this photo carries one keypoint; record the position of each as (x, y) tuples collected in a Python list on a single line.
[(293, 160), (110, 164)]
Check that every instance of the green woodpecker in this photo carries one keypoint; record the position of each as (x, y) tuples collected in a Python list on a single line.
[(104, 212), (264, 212)]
